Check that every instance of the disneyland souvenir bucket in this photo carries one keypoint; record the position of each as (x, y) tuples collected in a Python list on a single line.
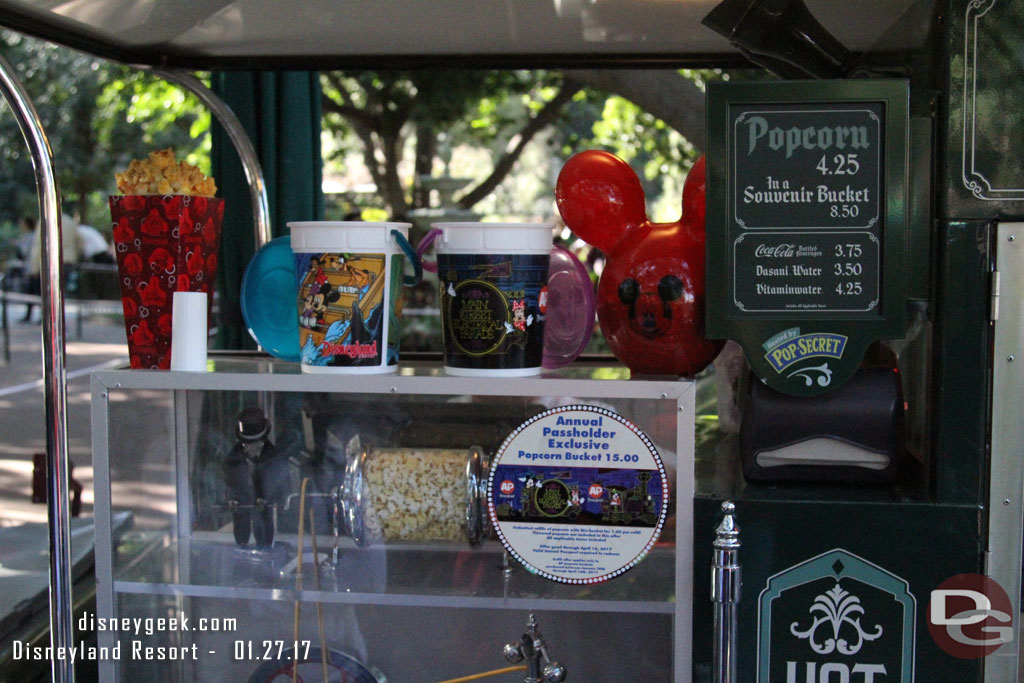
[(348, 293), (493, 295)]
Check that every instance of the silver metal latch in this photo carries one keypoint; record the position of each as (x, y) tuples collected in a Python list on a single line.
[(994, 313)]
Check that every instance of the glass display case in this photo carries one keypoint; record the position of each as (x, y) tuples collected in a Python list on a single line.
[(204, 586)]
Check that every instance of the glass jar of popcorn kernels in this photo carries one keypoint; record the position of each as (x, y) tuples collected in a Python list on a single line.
[(415, 494)]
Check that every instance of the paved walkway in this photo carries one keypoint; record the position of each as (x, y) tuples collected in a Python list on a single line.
[(22, 409)]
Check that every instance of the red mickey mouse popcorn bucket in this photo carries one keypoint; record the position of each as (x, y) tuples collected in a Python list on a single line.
[(164, 244)]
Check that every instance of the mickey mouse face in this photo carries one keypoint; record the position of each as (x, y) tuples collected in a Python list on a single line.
[(323, 298), (650, 312)]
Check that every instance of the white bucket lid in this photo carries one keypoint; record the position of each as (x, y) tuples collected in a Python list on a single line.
[(314, 237), (494, 238)]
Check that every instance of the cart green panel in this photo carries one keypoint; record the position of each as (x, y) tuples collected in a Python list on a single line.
[(920, 544)]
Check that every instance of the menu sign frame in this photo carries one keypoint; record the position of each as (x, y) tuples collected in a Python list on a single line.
[(807, 210)]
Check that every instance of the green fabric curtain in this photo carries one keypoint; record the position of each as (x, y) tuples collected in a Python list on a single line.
[(281, 113)]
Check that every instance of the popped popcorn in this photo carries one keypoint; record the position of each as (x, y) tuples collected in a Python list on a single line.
[(161, 174), (415, 494)]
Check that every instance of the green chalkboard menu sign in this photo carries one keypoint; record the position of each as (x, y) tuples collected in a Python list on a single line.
[(806, 216)]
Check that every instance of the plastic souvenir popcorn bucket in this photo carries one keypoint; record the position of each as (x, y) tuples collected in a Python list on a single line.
[(349, 293)]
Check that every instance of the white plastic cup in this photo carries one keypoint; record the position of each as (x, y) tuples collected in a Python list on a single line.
[(493, 289), (349, 283), (189, 331)]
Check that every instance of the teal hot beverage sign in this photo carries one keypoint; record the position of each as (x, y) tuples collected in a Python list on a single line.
[(806, 213), (836, 617)]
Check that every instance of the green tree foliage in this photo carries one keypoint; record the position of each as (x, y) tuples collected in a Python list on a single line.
[(651, 118), (396, 114), (97, 116)]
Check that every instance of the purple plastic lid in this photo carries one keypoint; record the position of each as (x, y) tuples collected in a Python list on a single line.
[(572, 308)]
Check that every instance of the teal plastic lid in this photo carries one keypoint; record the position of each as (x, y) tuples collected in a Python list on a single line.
[(269, 299)]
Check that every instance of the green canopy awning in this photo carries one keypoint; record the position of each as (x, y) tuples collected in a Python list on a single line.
[(281, 113)]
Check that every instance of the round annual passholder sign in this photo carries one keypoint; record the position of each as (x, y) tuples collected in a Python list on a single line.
[(578, 494)]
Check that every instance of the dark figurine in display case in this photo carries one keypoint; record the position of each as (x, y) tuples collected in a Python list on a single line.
[(257, 480)]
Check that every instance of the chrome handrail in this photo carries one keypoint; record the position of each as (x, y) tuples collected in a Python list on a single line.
[(54, 369), (239, 138)]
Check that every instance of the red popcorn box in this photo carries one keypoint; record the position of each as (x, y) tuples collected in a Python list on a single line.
[(164, 244)]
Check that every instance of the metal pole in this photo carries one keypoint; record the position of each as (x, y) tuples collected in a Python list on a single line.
[(243, 145), (725, 593), (3, 321), (54, 374)]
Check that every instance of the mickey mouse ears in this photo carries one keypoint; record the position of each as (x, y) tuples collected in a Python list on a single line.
[(600, 198)]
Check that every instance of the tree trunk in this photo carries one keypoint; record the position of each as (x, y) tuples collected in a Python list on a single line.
[(426, 150), (392, 190)]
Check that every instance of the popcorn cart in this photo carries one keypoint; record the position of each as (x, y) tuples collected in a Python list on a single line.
[(848, 474)]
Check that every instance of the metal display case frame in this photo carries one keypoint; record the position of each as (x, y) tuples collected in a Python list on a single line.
[(269, 378)]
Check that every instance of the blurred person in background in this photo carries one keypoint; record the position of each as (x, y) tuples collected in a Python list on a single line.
[(70, 248), (94, 248), (27, 239)]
